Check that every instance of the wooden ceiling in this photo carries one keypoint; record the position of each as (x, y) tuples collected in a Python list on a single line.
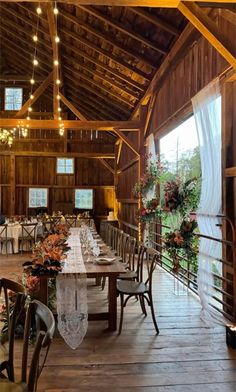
[(108, 55)]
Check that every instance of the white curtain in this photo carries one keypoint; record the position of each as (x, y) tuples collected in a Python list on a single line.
[(151, 152), (207, 114)]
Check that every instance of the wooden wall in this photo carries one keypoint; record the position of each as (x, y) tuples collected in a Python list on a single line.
[(40, 171)]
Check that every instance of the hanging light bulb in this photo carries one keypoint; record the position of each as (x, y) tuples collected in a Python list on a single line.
[(35, 38), (28, 118), (56, 63), (58, 97), (32, 81), (58, 81), (35, 62), (59, 109), (59, 118), (57, 39), (31, 96), (30, 109), (39, 10), (55, 10)]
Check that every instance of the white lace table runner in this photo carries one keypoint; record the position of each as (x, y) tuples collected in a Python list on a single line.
[(71, 286)]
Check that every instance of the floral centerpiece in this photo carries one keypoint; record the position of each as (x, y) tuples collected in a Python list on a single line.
[(48, 255)]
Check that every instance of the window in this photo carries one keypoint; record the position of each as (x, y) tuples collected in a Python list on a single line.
[(65, 166), (84, 199), (38, 197), (13, 98)]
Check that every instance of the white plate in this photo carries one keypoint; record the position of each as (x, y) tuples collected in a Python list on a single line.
[(105, 261)]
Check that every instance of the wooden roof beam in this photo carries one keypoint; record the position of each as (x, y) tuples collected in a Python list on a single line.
[(72, 107), (102, 76), (106, 38), (53, 34), (208, 29), (78, 93), (124, 29), (157, 21), (131, 126), (87, 100), (107, 165), (17, 78), (125, 139), (90, 155), (37, 93), (102, 65), (98, 93), (126, 3), (106, 54), (99, 86)]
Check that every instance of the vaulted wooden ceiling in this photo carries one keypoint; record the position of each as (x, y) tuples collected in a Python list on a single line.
[(108, 55)]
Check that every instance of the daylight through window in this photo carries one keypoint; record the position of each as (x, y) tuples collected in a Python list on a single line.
[(13, 98), (84, 199), (65, 166), (38, 197)]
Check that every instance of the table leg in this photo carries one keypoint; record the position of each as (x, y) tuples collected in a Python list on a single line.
[(112, 306)]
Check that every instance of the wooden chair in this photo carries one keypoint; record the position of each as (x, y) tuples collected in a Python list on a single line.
[(28, 234), (13, 310), (131, 259), (37, 315), (47, 227), (141, 288), (71, 221), (5, 240)]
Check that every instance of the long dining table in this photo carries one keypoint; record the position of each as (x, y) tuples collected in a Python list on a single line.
[(93, 270)]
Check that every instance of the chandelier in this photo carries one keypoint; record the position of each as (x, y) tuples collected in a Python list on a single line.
[(6, 137)]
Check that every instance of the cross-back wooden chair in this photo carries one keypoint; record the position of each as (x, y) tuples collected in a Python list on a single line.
[(142, 288), (13, 297), (28, 234), (5, 239), (47, 227), (131, 259), (71, 221), (34, 356)]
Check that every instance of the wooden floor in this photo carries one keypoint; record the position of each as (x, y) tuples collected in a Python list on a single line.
[(186, 356)]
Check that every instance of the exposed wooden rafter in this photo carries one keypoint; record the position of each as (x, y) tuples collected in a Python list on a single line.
[(126, 140), (53, 33), (72, 108), (107, 38), (72, 124), (37, 93), (157, 21), (124, 29), (208, 29), (127, 3), (107, 165)]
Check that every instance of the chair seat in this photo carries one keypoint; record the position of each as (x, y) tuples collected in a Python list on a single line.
[(129, 275), (26, 238), (8, 386), (131, 287), (6, 239)]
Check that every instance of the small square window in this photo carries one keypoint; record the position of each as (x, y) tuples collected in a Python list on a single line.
[(38, 197), (65, 165), (84, 199), (13, 98)]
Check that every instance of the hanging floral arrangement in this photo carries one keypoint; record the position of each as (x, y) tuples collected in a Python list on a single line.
[(150, 178), (182, 242), (180, 197), (150, 211)]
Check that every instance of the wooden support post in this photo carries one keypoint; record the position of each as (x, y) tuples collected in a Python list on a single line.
[(228, 189), (141, 163), (12, 184)]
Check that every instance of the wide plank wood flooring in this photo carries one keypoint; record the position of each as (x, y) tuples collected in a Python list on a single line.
[(187, 356)]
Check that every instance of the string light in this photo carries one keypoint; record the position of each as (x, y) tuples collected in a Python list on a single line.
[(35, 63), (58, 81), (58, 97), (55, 10), (57, 39), (56, 63), (39, 10)]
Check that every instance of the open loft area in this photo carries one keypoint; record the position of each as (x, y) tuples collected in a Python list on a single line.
[(118, 195)]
